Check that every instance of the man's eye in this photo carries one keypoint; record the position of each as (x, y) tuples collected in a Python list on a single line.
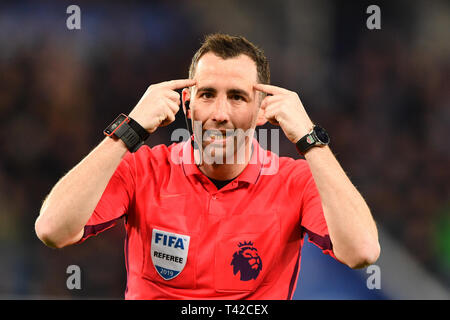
[(237, 97), (206, 95)]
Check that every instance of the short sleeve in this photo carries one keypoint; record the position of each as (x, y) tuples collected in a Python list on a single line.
[(115, 200), (313, 220)]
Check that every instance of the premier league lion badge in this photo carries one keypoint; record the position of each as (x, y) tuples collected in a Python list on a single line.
[(246, 261), (169, 253)]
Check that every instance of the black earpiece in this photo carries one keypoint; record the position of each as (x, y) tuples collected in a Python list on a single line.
[(186, 105), (193, 142)]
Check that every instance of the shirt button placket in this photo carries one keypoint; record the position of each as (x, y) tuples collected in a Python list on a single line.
[(215, 206)]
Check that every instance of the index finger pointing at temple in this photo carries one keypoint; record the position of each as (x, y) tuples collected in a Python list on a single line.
[(180, 83), (269, 89)]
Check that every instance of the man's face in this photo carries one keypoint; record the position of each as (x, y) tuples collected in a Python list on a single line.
[(224, 100)]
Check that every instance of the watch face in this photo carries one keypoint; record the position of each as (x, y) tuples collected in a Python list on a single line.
[(322, 134), (113, 126)]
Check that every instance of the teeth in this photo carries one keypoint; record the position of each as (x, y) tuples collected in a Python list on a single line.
[(216, 136)]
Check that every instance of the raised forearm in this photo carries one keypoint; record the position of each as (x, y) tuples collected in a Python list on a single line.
[(72, 200), (352, 229)]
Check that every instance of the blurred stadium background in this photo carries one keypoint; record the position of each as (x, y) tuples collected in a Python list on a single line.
[(384, 96)]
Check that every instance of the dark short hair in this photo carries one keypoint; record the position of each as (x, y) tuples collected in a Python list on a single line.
[(226, 46)]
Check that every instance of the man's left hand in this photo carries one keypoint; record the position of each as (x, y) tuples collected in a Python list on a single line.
[(284, 108)]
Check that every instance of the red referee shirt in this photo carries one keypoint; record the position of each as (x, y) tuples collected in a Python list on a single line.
[(188, 240)]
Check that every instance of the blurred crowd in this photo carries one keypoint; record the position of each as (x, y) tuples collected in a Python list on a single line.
[(387, 111), (391, 140)]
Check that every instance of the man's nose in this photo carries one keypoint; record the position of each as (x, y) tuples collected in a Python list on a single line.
[(220, 111)]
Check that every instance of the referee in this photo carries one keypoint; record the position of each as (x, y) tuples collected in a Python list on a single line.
[(216, 216)]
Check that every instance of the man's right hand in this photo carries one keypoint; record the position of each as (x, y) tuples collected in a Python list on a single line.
[(73, 199), (159, 104)]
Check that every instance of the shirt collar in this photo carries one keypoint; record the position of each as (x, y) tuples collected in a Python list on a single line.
[(250, 174)]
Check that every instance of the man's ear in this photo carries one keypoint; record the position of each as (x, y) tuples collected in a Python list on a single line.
[(261, 119), (186, 96)]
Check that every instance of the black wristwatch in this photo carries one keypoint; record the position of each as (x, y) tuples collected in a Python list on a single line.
[(129, 131), (318, 137)]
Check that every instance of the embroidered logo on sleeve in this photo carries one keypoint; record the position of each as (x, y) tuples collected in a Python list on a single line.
[(169, 253), (246, 261)]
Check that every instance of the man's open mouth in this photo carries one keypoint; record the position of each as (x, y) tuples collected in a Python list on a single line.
[(218, 136)]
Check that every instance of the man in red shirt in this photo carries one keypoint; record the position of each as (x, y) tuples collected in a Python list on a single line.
[(216, 216)]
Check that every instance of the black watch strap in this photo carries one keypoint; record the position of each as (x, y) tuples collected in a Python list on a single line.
[(129, 131), (317, 137), (305, 143), (130, 137), (143, 134)]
